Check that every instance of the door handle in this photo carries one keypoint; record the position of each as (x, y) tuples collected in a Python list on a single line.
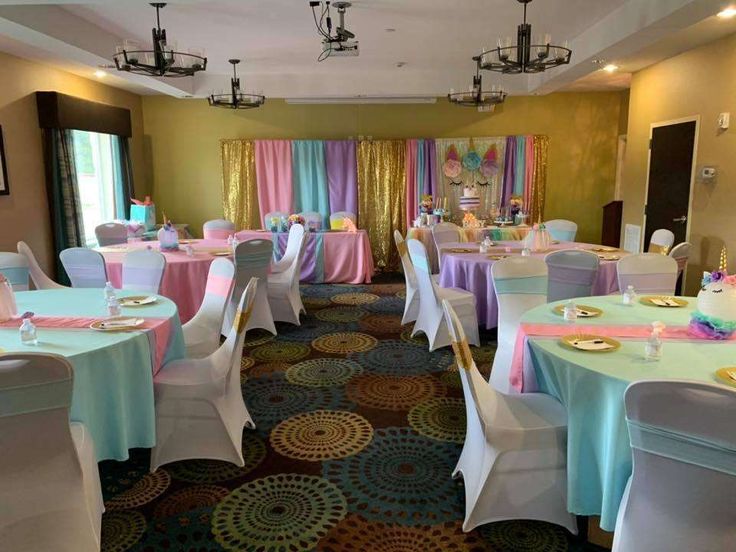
[(680, 219)]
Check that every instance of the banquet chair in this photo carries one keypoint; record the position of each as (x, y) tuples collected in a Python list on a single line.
[(143, 270), (313, 220), (267, 218), (520, 284), (661, 241), (562, 230), (50, 497), (442, 233), (293, 243), (111, 233), (85, 267), (430, 319), (411, 302), (648, 273), (284, 294), (218, 229), (252, 258), (16, 269), (200, 411), (681, 495), (202, 332), (514, 458), (336, 219), (39, 278), (681, 254), (571, 273)]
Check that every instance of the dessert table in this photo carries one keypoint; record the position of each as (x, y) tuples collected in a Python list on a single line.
[(591, 386), (113, 371), (472, 272)]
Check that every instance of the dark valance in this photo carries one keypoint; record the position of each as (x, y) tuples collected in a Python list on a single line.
[(67, 112)]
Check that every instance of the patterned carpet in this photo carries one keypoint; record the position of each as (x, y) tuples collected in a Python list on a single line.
[(358, 430)]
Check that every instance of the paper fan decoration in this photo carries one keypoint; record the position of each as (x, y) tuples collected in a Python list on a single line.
[(452, 167), (489, 165), (471, 160)]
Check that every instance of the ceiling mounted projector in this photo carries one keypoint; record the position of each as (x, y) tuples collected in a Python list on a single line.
[(342, 42)]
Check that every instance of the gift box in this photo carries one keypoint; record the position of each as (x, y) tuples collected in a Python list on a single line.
[(144, 214)]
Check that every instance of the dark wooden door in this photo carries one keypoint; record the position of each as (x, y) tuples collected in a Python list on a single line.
[(670, 174)]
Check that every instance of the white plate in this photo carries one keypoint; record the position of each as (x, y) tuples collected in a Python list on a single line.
[(138, 301), (117, 324)]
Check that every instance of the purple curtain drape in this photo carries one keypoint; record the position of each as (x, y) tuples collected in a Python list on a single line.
[(342, 175), (431, 185), (509, 170)]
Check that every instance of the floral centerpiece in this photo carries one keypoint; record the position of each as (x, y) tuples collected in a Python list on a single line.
[(715, 317), (515, 204), (427, 204), (295, 219)]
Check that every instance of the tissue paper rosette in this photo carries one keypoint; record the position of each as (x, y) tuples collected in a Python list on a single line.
[(452, 167), (716, 314), (295, 219), (489, 164)]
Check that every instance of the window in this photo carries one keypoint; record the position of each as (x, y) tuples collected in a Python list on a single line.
[(93, 160)]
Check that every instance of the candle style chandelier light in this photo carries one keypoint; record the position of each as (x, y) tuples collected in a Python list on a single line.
[(526, 56), (236, 99), (160, 61), (475, 96)]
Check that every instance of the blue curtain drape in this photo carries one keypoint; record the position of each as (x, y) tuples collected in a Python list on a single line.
[(122, 176), (520, 166), (309, 177)]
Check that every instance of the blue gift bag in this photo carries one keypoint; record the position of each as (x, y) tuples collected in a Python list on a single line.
[(144, 214)]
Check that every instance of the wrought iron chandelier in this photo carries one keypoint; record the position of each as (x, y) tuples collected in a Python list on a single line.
[(475, 97), (160, 61), (236, 99), (525, 56)]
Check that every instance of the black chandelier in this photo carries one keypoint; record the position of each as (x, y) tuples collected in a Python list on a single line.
[(525, 56), (161, 60), (475, 97), (236, 99)]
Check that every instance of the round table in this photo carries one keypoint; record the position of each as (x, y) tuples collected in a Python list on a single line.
[(592, 385), (113, 371), (472, 272)]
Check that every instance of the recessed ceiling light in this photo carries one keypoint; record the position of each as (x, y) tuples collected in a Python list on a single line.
[(728, 13), (390, 30), (610, 68), (100, 74)]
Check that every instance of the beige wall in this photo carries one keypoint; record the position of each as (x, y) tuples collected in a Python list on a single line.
[(696, 83), (182, 140), (24, 214)]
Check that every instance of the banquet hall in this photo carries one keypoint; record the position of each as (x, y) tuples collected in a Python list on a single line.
[(386, 276)]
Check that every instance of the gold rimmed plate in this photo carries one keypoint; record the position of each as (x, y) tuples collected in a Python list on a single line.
[(497, 257), (608, 257), (117, 324), (138, 300), (221, 253), (663, 301), (727, 375), (583, 311), (460, 250), (590, 343), (604, 249), (186, 241)]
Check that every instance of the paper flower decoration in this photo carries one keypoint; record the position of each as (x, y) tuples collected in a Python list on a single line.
[(452, 167), (471, 161), (489, 164)]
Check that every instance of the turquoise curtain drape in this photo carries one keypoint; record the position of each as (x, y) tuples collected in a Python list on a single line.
[(520, 173), (309, 178), (122, 176)]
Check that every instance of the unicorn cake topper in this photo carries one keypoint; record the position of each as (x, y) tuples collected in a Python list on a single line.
[(716, 314)]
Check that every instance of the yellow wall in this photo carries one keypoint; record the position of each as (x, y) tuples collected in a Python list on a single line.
[(24, 214), (183, 136), (695, 83)]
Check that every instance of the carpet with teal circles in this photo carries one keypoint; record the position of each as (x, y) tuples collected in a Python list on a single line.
[(358, 429)]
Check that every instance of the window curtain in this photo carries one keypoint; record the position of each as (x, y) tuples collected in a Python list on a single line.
[(273, 175), (382, 196), (342, 175), (122, 176), (63, 193), (239, 187), (311, 192)]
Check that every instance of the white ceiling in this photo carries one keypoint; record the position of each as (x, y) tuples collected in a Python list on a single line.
[(278, 42)]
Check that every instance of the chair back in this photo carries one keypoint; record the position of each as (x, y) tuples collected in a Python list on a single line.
[(561, 229), (268, 216), (143, 270), (218, 229), (111, 233), (429, 298), (661, 241), (681, 254), (16, 269), (40, 280), (445, 232), (293, 245), (252, 259), (571, 273), (217, 294), (313, 220), (409, 274), (521, 284), (85, 267), (648, 273), (336, 219)]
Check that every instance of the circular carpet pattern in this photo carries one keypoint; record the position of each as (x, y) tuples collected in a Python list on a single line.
[(185, 531), (525, 536), (257, 337), (401, 294), (190, 498), (344, 342), (387, 305), (315, 302), (144, 491), (451, 378), (392, 392), (419, 339), (265, 368), (441, 418), (121, 530), (323, 372), (329, 290), (216, 471), (381, 323), (310, 329), (395, 357), (321, 435), (284, 351), (246, 362), (401, 477), (484, 354), (341, 315), (278, 513), (358, 298)]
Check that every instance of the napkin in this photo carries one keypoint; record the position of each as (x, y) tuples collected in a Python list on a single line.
[(592, 345)]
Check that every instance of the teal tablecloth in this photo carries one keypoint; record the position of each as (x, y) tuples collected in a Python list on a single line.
[(591, 386), (113, 375)]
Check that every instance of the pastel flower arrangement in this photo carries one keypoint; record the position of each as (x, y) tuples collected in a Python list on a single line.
[(516, 203), (295, 219), (426, 205), (718, 276)]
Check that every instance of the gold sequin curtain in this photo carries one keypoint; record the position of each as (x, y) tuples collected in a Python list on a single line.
[(539, 180), (239, 191), (382, 197)]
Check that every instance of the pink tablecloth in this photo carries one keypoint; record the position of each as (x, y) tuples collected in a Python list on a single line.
[(472, 272)]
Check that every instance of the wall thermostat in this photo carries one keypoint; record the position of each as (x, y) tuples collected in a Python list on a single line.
[(708, 173)]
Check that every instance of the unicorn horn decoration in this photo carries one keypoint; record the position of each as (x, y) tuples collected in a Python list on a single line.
[(723, 263)]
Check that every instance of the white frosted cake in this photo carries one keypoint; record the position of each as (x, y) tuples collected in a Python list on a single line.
[(470, 199)]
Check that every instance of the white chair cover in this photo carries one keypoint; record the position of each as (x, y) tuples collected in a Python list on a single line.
[(648, 273), (430, 319), (293, 244), (202, 332), (514, 457), (661, 239), (200, 411), (445, 232), (339, 216), (411, 302), (313, 220), (218, 229), (85, 267), (267, 218), (572, 273), (681, 254), (50, 497), (15, 268), (561, 229), (40, 280), (681, 496), (143, 270), (252, 258), (284, 294), (520, 284), (111, 233)]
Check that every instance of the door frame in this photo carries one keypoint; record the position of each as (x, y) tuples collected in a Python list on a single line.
[(693, 172)]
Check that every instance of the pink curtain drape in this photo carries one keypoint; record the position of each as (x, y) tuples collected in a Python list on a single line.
[(529, 172), (273, 176), (412, 208)]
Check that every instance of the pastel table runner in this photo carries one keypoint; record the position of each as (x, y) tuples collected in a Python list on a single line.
[(113, 371), (591, 387)]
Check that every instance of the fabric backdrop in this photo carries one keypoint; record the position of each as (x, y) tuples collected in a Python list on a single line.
[(342, 175), (239, 188), (273, 174), (309, 176)]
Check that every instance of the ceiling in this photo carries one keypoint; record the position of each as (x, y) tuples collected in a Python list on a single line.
[(433, 39)]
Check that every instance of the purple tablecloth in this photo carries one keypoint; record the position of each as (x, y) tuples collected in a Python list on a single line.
[(472, 272)]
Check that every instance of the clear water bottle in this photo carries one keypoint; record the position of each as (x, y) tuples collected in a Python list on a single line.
[(113, 306), (526, 252), (109, 291), (653, 348), (629, 296), (28, 335), (189, 250), (570, 311)]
